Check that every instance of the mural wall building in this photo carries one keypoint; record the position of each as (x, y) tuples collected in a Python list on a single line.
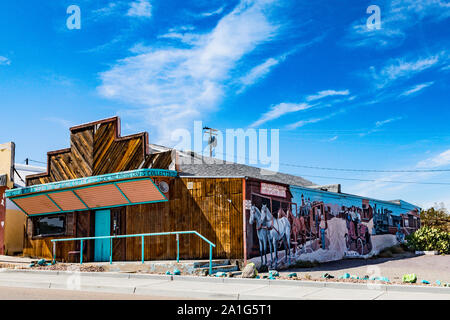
[(105, 184)]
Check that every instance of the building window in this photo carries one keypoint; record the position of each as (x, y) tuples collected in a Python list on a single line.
[(49, 226)]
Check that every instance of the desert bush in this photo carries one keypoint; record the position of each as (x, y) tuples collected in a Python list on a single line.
[(429, 239)]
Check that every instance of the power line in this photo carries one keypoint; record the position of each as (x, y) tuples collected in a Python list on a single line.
[(374, 180), (351, 170), (366, 170)]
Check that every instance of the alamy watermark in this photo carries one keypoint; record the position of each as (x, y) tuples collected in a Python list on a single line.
[(74, 20), (374, 20), (231, 147)]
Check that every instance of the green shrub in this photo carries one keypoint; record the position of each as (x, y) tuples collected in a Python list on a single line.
[(429, 239)]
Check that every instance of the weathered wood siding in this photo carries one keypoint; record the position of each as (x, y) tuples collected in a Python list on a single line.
[(205, 209), (95, 149)]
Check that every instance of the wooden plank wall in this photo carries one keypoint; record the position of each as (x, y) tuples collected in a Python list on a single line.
[(95, 149), (205, 209)]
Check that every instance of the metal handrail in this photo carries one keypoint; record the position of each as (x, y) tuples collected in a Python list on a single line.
[(142, 235)]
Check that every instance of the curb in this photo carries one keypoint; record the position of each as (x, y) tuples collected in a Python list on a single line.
[(291, 283)]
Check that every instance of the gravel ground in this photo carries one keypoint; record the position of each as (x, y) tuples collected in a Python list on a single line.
[(430, 268)]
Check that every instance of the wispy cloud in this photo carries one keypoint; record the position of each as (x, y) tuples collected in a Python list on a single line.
[(327, 93), (417, 88), (213, 13), (440, 160), (173, 86), (258, 73), (380, 124), (397, 17), (4, 61), (333, 138), (283, 108), (279, 110), (140, 8), (382, 188), (302, 123), (402, 69)]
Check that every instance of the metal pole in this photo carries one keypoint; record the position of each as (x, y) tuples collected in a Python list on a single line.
[(178, 247), (142, 247), (210, 259), (110, 251), (81, 252), (54, 252)]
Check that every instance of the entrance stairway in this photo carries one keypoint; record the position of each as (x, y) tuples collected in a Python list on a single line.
[(219, 265)]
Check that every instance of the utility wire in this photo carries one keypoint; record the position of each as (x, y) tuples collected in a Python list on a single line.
[(365, 170), (352, 170), (374, 180)]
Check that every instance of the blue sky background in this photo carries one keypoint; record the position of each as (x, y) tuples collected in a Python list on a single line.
[(342, 96)]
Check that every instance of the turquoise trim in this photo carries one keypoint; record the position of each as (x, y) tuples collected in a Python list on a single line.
[(84, 204), (74, 185), (97, 208), (123, 194), (142, 235), (60, 209), (157, 188), (141, 173)]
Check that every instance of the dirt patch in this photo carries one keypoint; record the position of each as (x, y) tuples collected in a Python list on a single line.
[(55, 267)]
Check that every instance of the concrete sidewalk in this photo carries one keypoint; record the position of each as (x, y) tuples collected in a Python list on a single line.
[(191, 287)]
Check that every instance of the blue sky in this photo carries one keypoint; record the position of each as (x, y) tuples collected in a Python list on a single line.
[(341, 95)]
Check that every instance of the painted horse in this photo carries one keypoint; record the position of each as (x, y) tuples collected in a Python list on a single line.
[(298, 229), (262, 231), (279, 230)]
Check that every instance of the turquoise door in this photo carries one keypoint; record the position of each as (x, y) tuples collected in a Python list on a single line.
[(102, 228)]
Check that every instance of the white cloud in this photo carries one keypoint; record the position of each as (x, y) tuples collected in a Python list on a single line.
[(4, 61), (327, 93), (380, 124), (140, 8), (173, 86), (333, 138), (402, 68), (279, 110), (383, 122), (283, 108), (257, 73), (440, 160), (302, 123), (417, 88), (213, 13), (397, 18)]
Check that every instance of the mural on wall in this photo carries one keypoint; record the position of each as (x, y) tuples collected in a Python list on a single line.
[(324, 226)]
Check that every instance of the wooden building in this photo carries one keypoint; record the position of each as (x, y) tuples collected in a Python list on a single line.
[(105, 184)]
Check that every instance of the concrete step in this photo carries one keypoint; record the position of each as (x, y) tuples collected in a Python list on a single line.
[(215, 263), (223, 268)]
